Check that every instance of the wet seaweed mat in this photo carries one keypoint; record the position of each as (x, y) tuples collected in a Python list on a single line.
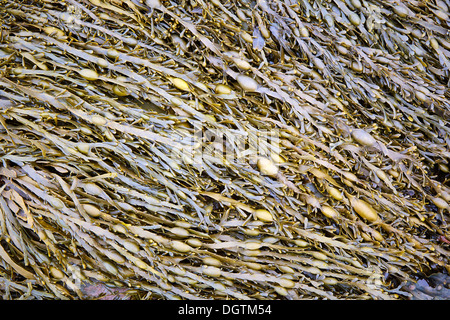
[(224, 149)]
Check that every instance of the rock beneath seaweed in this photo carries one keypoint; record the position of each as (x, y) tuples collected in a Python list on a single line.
[(99, 291), (434, 287)]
